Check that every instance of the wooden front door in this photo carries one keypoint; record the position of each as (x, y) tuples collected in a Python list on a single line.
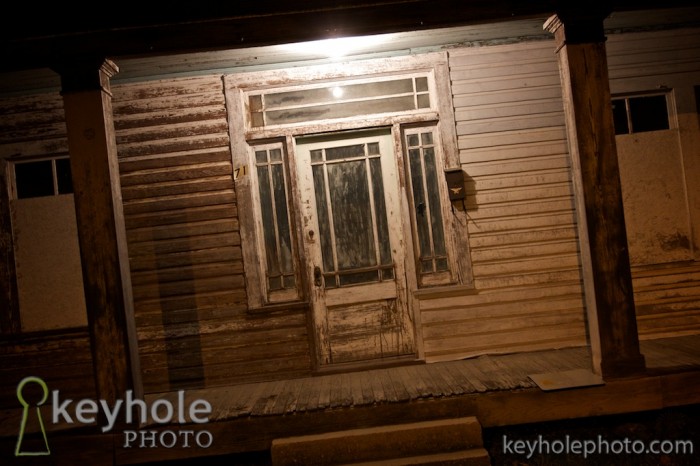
[(353, 238)]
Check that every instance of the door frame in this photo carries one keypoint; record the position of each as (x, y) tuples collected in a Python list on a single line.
[(322, 299), (242, 136)]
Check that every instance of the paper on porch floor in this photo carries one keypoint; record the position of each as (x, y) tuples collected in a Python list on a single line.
[(566, 379)]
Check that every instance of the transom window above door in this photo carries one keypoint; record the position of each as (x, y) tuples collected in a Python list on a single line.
[(339, 100)]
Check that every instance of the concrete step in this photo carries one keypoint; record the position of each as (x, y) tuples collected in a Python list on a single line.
[(473, 457), (372, 444)]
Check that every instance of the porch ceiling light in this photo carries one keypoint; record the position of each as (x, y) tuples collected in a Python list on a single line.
[(337, 48)]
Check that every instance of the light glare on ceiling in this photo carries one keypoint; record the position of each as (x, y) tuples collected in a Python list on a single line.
[(337, 47)]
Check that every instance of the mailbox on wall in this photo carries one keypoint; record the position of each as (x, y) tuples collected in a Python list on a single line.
[(455, 184)]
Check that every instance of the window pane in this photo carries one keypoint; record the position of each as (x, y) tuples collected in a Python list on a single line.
[(63, 176), (275, 283), (648, 113), (256, 120), (345, 152), (620, 116), (275, 155), (34, 179), (387, 274), (340, 110), (441, 265), (255, 103), (380, 211), (268, 221), (352, 218), (419, 201), (434, 201), (334, 92), (274, 213), (423, 167), (421, 84), (323, 219), (423, 101), (316, 155), (358, 277), (339, 100), (261, 156), (284, 232)]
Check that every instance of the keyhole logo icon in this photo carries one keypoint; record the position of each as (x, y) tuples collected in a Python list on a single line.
[(26, 412)]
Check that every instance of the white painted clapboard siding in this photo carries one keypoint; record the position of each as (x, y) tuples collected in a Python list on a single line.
[(512, 141)]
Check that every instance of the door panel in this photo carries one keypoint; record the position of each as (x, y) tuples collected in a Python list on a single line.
[(351, 210)]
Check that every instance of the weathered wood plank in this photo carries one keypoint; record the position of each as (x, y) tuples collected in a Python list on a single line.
[(156, 135), (167, 87), (502, 342), (211, 155), (175, 231), (529, 279), (191, 115), (170, 203)]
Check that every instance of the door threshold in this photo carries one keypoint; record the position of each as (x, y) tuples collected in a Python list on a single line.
[(369, 364)]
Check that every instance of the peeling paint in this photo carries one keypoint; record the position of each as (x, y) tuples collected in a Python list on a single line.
[(673, 242)]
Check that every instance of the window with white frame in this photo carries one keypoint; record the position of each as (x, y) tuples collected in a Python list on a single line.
[(339, 99), (640, 113), (47, 253), (274, 222), (425, 170)]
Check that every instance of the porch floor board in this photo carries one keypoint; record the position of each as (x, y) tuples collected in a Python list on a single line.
[(495, 388), (489, 373)]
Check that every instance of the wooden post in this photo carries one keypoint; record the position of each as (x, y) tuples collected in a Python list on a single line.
[(9, 293), (98, 205), (612, 324)]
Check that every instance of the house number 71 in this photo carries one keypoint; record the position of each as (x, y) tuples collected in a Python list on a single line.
[(238, 172)]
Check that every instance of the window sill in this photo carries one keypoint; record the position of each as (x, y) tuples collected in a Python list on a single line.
[(292, 306)]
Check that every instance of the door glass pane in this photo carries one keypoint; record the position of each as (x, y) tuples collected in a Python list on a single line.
[(352, 215), (324, 223), (345, 152), (380, 206)]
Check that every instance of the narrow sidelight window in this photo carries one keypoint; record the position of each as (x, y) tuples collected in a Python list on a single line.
[(275, 221), (423, 166)]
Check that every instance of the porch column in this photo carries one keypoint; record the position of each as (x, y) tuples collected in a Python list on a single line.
[(612, 323), (87, 102)]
